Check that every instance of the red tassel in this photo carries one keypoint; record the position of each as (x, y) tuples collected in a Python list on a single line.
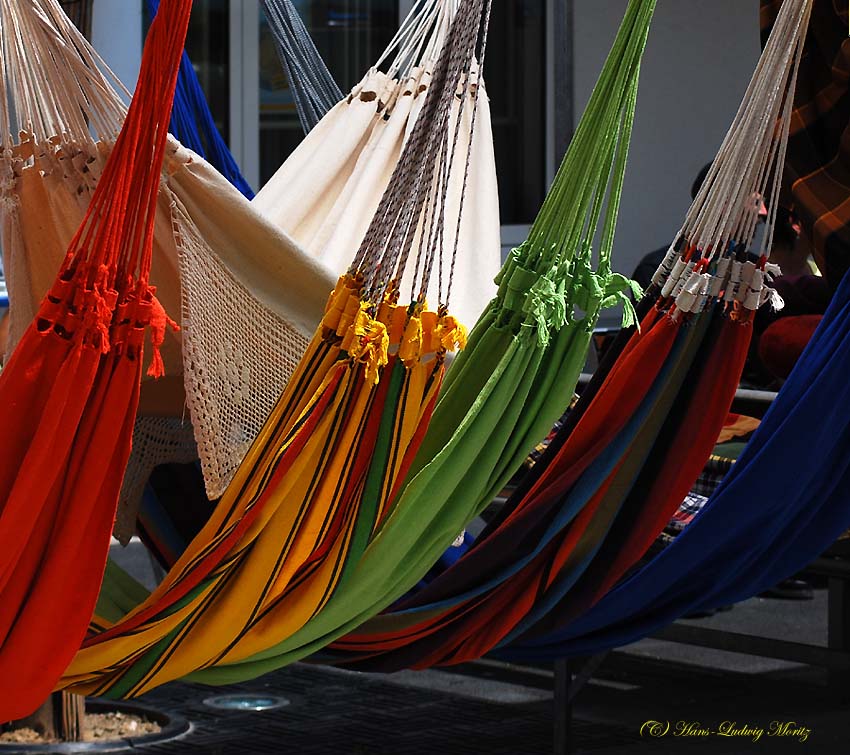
[(159, 321)]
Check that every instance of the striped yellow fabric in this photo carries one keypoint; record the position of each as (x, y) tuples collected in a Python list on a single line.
[(316, 482)]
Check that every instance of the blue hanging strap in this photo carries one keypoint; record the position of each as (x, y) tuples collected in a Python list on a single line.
[(193, 124)]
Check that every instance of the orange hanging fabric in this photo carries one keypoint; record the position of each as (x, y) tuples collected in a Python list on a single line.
[(69, 395)]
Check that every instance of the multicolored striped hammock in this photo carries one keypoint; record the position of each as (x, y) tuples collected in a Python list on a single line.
[(784, 502), (787, 502), (640, 434), (512, 381), (323, 472), (70, 392)]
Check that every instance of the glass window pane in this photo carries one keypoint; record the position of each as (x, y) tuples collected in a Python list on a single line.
[(515, 70), (79, 11), (349, 34), (208, 45)]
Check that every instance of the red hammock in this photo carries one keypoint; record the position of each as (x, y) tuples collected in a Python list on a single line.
[(69, 395)]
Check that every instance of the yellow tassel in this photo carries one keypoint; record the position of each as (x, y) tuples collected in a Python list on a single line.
[(370, 344), (410, 348), (452, 333)]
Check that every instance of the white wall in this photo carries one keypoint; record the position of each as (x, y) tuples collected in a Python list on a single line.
[(698, 62), (117, 36)]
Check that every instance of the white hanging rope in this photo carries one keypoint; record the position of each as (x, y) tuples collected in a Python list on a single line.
[(723, 219), (67, 94), (420, 37)]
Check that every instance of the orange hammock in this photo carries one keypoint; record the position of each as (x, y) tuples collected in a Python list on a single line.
[(70, 392)]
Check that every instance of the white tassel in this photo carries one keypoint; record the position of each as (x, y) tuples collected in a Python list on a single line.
[(673, 278), (774, 297), (662, 274), (683, 279)]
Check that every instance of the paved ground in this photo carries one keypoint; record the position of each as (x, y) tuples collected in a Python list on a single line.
[(502, 710), (492, 709)]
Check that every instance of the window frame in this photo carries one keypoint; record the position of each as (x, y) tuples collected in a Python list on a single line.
[(245, 88)]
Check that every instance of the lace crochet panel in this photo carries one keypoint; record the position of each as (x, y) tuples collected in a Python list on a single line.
[(237, 356), (156, 440)]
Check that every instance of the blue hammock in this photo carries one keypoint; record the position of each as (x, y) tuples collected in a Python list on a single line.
[(785, 501), (193, 125)]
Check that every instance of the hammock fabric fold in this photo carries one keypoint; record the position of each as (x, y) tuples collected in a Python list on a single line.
[(70, 391), (786, 499)]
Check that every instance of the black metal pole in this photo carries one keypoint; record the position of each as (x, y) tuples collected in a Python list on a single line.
[(563, 707)]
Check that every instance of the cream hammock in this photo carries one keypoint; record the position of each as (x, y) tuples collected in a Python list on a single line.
[(249, 298), (327, 191)]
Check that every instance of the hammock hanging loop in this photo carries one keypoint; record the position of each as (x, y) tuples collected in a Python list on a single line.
[(617, 289), (546, 305)]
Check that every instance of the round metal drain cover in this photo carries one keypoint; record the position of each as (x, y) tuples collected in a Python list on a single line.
[(246, 702)]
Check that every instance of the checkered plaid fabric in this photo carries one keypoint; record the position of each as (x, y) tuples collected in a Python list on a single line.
[(715, 469), (712, 475), (817, 167), (689, 508)]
